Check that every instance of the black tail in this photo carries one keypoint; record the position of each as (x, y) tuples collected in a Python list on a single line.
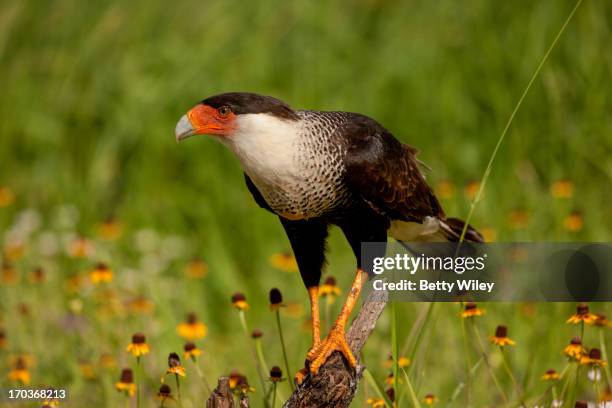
[(453, 227)]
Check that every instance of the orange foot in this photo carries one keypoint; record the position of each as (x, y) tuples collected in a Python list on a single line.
[(300, 376), (335, 341)]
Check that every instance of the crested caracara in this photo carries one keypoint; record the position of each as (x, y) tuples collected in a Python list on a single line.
[(314, 169)]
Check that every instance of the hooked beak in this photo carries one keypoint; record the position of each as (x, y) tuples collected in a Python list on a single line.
[(184, 129)]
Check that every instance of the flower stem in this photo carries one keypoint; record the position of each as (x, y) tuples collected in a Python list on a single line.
[(597, 374), (201, 375), (394, 348), (258, 367), (509, 371), (415, 400), (282, 340), (489, 368), (178, 390), (604, 353), (274, 395), (138, 382), (468, 363)]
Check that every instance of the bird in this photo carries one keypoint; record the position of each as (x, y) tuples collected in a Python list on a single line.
[(316, 169)]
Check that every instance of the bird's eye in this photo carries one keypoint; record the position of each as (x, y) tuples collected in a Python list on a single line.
[(224, 111)]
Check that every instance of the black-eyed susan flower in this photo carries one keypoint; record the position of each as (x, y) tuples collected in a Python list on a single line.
[(470, 310), (234, 377), (601, 321), (390, 380), (284, 261), (256, 334), (196, 269), (581, 404), (593, 358), (126, 383), (3, 340), (37, 275), (294, 310), (80, 248), (575, 350), (276, 374), (8, 274), (562, 188), (87, 370), (501, 338), (243, 387), (23, 309), (402, 362), (14, 250), (276, 299), (175, 366), (164, 393), (138, 347), (107, 360), (110, 229), (471, 189), (140, 305), (582, 315), (518, 219), (489, 234), (20, 373), (190, 350), (376, 402), (7, 197), (329, 289), (239, 301), (445, 189), (551, 375), (430, 399), (379, 402), (191, 329), (239, 384), (50, 404), (101, 273), (574, 221), (75, 282)]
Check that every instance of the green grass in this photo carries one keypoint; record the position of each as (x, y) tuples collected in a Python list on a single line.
[(91, 94)]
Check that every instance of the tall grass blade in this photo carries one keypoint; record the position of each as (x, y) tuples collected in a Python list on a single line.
[(487, 172)]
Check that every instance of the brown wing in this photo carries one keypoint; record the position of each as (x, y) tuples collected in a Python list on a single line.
[(386, 174)]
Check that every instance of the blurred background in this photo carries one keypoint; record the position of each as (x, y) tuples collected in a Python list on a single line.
[(90, 171)]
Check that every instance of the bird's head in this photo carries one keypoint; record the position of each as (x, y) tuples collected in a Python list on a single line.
[(229, 114)]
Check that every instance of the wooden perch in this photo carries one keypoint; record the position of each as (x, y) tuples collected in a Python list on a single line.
[(336, 384), (221, 397)]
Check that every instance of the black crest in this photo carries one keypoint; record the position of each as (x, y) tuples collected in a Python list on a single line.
[(244, 102)]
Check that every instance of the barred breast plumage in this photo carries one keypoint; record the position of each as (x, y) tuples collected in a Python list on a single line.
[(297, 170)]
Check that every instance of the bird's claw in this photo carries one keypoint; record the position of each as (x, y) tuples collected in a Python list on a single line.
[(300, 376), (335, 341)]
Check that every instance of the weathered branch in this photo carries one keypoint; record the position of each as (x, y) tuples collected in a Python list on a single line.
[(221, 397), (336, 383)]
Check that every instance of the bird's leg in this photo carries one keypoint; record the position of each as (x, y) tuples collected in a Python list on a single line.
[(313, 293), (335, 340)]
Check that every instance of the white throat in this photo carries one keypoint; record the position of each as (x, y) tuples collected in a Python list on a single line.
[(266, 147)]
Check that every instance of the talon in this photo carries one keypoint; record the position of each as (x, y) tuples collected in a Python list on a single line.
[(312, 353), (300, 376), (335, 341)]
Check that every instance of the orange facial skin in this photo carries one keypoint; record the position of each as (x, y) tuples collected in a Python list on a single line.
[(207, 120)]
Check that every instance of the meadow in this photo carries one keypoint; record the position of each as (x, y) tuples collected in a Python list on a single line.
[(109, 228)]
